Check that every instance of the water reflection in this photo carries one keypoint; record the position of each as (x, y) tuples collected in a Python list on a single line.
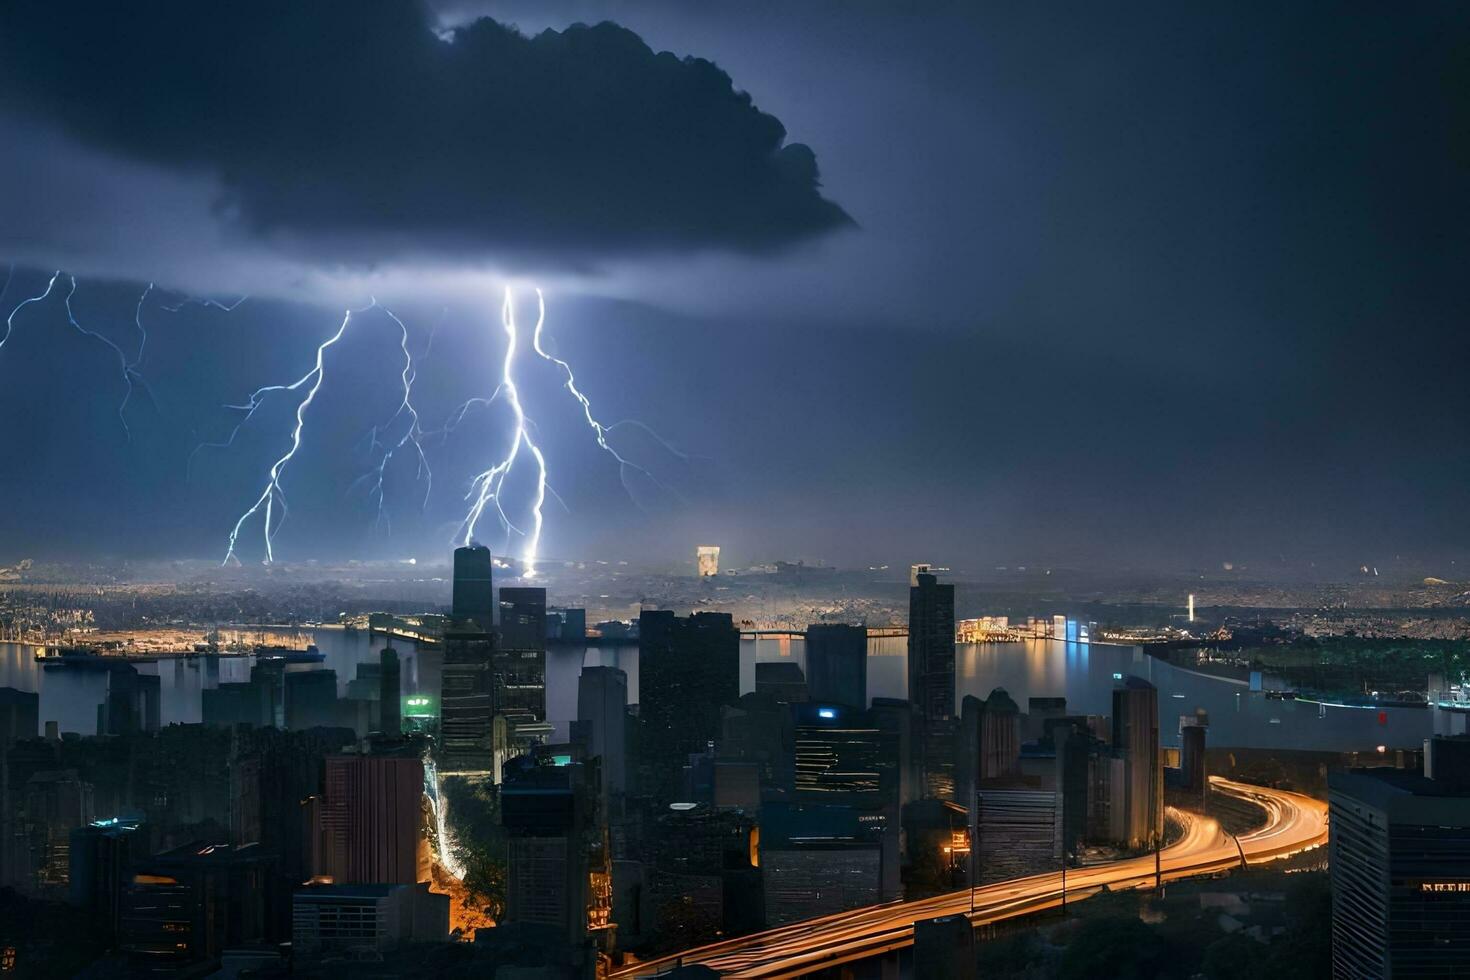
[(1082, 673)]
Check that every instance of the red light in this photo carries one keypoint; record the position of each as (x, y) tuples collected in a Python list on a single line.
[(1383, 717)]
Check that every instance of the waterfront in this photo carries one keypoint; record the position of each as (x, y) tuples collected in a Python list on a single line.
[(1082, 673)]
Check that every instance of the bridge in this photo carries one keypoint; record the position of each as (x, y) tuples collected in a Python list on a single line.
[(1294, 823)]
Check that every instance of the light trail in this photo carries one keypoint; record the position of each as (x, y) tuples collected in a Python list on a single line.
[(598, 429), (434, 790), (273, 492), (1294, 823), (487, 486)]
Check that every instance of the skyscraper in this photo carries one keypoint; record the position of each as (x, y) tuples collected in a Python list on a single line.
[(559, 867), (688, 669), (466, 703), (368, 823), (1137, 815), (520, 653), (837, 664), (932, 681), (474, 593), (1400, 865), (602, 706), (20, 713), (390, 707)]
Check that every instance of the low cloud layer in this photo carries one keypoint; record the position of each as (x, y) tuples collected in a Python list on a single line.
[(361, 132)]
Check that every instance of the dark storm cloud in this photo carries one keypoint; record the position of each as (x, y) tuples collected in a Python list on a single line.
[(349, 123)]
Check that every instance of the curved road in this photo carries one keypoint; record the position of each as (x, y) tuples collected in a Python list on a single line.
[(1294, 823)]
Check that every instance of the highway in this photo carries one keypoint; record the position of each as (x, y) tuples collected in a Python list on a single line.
[(1294, 823)]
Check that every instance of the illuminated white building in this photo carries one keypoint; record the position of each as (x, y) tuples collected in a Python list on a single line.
[(708, 557)]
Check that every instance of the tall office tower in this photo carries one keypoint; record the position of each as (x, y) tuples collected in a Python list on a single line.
[(56, 803), (1400, 864), (245, 703), (1138, 797), (102, 854), (1013, 834), (782, 680), (816, 860), (837, 664), (1000, 737), (132, 702), (707, 556), (1082, 787), (311, 699), (474, 592), (1192, 759), (368, 820), (519, 664), (844, 757), (932, 681), (390, 705), (967, 751), (688, 670), (758, 730), (560, 871), (466, 703), (194, 902), (897, 716), (602, 706), (20, 714)]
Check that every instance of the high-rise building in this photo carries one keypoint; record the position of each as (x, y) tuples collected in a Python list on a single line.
[(844, 756), (932, 681), (132, 703), (101, 855), (311, 699), (519, 664), (782, 680), (816, 860), (837, 664), (244, 703), (390, 705), (896, 715), (474, 591), (1082, 787), (707, 556), (1000, 738), (20, 713), (1137, 809), (193, 902), (467, 703), (559, 869), (689, 668), (368, 820), (1013, 833), (1400, 865), (602, 707)]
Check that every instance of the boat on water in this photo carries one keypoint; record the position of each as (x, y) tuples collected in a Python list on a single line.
[(289, 655), (84, 659)]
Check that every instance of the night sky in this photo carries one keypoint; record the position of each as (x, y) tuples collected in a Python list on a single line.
[(1144, 284)]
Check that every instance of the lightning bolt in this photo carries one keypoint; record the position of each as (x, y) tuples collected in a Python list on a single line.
[(272, 493), (10, 320), (598, 429), (486, 488), (412, 435), (128, 369)]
